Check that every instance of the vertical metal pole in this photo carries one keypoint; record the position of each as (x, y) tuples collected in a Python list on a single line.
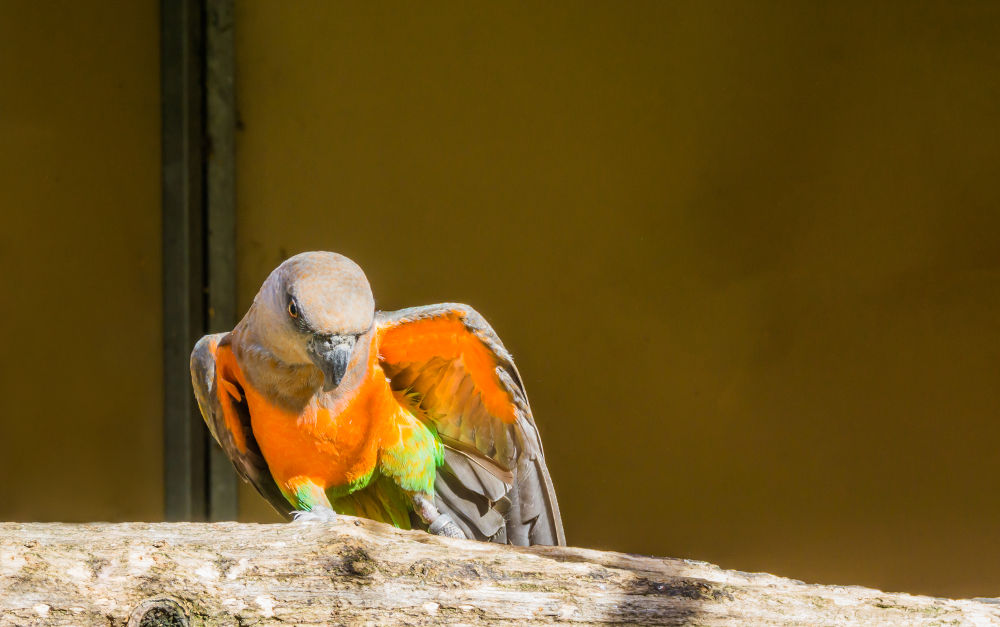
[(220, 109), (183, 271)]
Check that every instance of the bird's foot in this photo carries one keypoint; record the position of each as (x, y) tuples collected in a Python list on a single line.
[(443, 525), (318, 514), (437, 523)]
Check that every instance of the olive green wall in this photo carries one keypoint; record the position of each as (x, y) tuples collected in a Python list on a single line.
[(747, 255), (80, 391)]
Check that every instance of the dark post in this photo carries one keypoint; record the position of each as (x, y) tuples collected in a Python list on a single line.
[(183, 261), (221, 213), (199, 268)]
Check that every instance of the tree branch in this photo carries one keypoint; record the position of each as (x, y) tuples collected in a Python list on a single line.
[(357, 571)]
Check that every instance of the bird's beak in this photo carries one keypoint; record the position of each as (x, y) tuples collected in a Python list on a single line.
[(331, 354)]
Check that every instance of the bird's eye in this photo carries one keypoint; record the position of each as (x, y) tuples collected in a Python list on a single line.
[(293, 311)]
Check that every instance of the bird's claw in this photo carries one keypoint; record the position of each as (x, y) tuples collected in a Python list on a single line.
[(443, 525), (319, 514)]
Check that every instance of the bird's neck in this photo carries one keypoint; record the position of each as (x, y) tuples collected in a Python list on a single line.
[(296, 386)]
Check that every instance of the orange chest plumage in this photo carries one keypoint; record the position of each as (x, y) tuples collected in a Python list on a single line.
[(330, 448)]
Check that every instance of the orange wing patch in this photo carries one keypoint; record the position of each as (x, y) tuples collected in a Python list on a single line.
[(448, 338), (227, 375)]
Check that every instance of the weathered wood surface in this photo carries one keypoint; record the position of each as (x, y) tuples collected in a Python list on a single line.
[(355, 572)]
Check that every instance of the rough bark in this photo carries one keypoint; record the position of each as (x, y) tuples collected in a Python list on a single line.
[(354, 571)]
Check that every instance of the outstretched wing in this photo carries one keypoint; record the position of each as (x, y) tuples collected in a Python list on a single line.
[(494, 480), (224, 408)]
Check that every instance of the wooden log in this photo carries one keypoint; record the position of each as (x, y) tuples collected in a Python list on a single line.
[(355, 571)]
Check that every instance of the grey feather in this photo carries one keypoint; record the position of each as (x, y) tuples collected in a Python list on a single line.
[(474, 476)]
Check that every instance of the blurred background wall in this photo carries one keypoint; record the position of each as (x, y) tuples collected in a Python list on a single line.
[(80, 380), (747, 255)]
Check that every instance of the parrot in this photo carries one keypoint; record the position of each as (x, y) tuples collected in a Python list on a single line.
[(416, 418)]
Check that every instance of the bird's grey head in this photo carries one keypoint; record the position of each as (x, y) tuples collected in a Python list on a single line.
[(312, 309)]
